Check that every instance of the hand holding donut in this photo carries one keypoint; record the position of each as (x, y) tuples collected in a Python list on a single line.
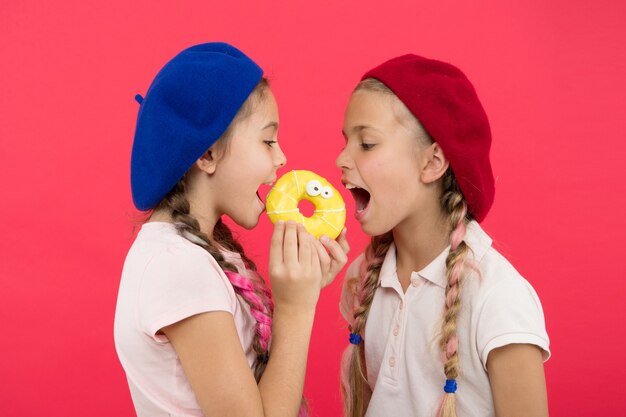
[(334, 257), (326, 223), (294, 267)]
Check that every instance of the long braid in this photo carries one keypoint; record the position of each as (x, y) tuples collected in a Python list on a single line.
[(354, 374), (223, 234), (251, 287), (253, 290), (454, 206)]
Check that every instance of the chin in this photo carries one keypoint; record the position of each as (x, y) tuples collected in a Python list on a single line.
[(250, 225), (248, 222), (375, 230), (371, 231)]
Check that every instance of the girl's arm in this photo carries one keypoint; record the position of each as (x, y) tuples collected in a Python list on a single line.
[(211, 354), (517, 381)]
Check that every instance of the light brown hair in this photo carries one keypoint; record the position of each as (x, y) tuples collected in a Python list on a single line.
[(453, 205)]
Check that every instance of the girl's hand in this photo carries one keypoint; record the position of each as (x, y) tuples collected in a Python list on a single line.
[(294, 267), (332, 255)]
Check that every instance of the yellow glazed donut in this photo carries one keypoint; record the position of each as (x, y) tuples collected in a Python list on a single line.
[(282, 201)]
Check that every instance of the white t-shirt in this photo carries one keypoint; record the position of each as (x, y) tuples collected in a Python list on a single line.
[(166, 279), (404, 365)]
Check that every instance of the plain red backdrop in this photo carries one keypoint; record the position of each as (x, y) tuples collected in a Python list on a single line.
[(549, 73)]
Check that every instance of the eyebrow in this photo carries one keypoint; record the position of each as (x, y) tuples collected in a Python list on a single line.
[(358, 129), (271, 125)]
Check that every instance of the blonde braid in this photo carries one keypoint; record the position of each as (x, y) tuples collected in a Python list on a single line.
[(454, 206), (354, 373)]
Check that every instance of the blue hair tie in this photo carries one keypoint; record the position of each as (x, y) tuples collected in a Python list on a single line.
[(450, 386), (355, 338), (138, 98)]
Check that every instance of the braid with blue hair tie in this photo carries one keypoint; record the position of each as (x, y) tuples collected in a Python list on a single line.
[(355, 338)]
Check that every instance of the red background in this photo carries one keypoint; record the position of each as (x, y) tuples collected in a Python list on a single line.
[(550, 75)]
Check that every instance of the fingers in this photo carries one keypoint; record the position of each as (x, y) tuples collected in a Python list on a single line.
[(336, 255), (316, 265), (294, 248), (290, 245), (337, 249), (304, 246), (343, 241), (324, 258), (276, 244)]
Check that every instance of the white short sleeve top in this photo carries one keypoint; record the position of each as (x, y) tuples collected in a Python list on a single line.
[(165, 279), (404, 366)]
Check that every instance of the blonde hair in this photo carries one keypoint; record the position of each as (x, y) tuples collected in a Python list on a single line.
[(453, 205)]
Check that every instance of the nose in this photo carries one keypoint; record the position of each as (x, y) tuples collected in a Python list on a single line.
[(343, 160), (280, 159)]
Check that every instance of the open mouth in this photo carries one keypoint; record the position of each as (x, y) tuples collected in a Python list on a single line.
[(263, 190), (361, 197)]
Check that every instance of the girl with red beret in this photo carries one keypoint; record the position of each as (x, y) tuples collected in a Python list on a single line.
[(197, 330), (440, 323)]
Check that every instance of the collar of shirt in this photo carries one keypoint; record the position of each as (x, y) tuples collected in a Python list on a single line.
[(435, 271)]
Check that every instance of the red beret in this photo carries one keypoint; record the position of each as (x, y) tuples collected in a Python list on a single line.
[(444, 101)]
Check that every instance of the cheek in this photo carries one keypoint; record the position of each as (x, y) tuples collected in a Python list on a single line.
[(393, 178), (382, 170), (253, 162)]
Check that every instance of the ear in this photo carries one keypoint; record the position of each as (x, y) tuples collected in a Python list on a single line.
[(207, 162), (435, 164)]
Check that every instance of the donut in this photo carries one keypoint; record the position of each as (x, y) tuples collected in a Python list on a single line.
[(282, 201)]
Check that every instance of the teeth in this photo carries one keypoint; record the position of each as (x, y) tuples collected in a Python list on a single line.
[(351, 186)]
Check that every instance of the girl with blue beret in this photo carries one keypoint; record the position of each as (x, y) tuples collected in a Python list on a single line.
[(197, 330)]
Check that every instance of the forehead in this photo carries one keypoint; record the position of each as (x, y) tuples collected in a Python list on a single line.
[(369, 103), (377, 109), (263, 111), (265, 106)]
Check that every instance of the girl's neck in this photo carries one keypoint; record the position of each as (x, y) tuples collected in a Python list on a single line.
[(419, 242), (207, 224)]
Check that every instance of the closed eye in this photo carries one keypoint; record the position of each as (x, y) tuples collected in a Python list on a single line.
[(270, 142)]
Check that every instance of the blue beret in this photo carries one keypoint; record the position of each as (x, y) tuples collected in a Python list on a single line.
[(188, 106)]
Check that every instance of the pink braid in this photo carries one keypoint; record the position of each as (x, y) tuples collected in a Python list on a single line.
[(455, 263), (353, 370), (456, 237), (258, 297), (245, 287)]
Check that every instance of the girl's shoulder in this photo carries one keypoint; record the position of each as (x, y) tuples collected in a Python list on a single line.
[(491, 263), (159, 247), (499, 279), (167, 278), (165, 235), (495, 277), (503, 306)]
